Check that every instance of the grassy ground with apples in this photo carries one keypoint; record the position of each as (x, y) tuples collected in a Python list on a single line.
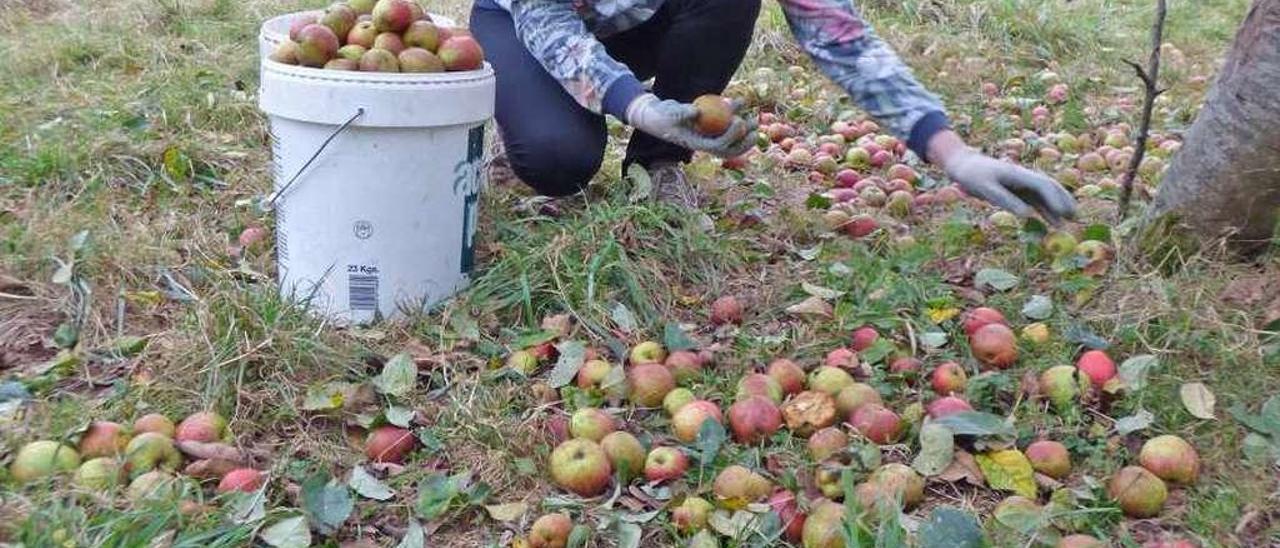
[(132, 150)]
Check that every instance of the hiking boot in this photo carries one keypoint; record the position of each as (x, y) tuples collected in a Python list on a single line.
[(671, 186)]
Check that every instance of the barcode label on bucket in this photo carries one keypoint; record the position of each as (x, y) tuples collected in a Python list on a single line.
[(362, 292)]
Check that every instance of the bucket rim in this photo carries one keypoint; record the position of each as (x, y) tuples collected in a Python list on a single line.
[(395, 78)]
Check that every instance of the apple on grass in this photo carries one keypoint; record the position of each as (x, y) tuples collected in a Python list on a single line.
[(687, 422), (665, 463), (754, 419), (550, 531), (692, 514), (626, 454), (649, 383), (1171, 459), (1049, 458), (787, 374), (737, 486), (647, 352), (580, 466)]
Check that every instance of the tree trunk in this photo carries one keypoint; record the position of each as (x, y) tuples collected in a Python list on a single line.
[(1225, 181)]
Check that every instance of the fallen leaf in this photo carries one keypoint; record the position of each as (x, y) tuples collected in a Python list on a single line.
[(560, 324), (1135, 422), (1008, 470), (572, 355), (1038, 307), (1134, 371), (210, 469), (288, 533), (951, 528), (963, 467), (1198, 400), (821, 292), (218, 451), (937, 448), (399, 376), (996, 279), (812, 306), (510, 511), (364, 484), (939, 315)]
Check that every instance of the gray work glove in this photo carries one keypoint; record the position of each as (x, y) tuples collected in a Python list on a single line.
[(1011, 187), (672, 121)]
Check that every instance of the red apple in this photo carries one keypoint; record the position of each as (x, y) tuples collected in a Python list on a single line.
[(864, 337), (995, 345), (977, 318), (948, 378), (245, 480), (754, 419), (1049, 458), (783, 503), (877, 423), (827, 442), (648, 383), (665, 463), (843, 358), (854, 396), (156, 423), (1171, 459), (685, 366), (205, 427), (787, 374), (687, 422), (759, 384), (103, 439), (1096, 365), (551, 531), (389, 444), (947, 405), (725, 310)]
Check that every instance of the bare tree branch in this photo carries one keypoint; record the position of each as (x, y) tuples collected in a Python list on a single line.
[(1150, 77)]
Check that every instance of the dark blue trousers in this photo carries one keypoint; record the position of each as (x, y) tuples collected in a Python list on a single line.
[(689, 48)]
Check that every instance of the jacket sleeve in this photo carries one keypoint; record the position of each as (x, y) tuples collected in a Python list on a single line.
[(558, 38), (850, 53)]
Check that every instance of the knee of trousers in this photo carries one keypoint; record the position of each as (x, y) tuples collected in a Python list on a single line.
[(554, 168)]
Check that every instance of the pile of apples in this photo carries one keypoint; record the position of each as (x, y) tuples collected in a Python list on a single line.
[(149, 455), (868, 175), (831, 407), (389, 36), (146, 456)]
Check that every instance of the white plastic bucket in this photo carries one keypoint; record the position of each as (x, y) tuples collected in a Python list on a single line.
[(383, 220), (276, 29)]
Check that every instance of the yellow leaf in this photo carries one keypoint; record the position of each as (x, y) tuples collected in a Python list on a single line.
[(1008, 470), (147, 298), (509, 511), (939, 315)]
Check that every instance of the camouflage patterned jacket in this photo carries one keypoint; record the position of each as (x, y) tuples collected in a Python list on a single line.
[(562, 35)]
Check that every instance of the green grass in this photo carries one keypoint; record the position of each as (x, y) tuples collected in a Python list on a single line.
[(139, 124)]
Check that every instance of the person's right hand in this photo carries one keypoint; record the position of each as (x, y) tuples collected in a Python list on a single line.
[(672, 121)]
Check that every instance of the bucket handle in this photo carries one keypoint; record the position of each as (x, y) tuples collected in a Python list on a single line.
[(270, 201)]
